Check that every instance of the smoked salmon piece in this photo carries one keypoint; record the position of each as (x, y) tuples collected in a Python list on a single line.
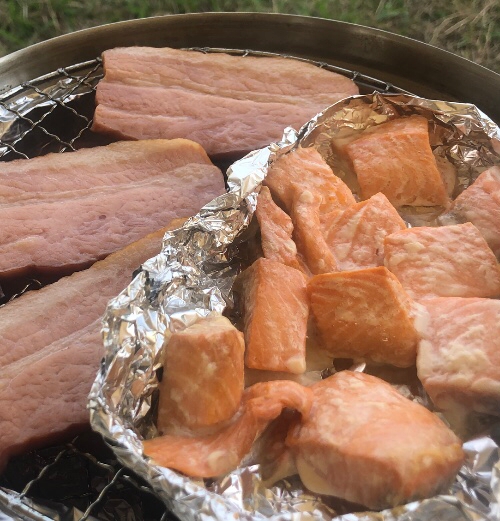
[(276, 230), (356, 236), (395, 158), (203, 379), (305, 169), (275, 311), (447, 261), (366, 443), (226, 103), (221, 452), (364, 314), (459, 354), (308, 232), (480, 205)]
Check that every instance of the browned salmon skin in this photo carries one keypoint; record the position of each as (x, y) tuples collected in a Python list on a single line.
[(356, 236), (276, 230), (395, 158), (480, 205), (275, 309), (364, 314), (366, 443), (305, 168), (203, 378), (221, 452), (459, 354), (447, 261)]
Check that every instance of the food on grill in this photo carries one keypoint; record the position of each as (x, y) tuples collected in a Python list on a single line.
[(366, 443), (95, 170), (226, 103), (459, 354), (276, 230), (202, 379), (447, 261), (395, 158), (221, 452), (72, 232), (480, 205), (305, 169), (356, 236), (52, 346), (275, 310), (308, 234), (364, 314)]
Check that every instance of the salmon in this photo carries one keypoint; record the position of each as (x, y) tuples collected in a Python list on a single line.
[(448, 261), (203, 378), (356, 237), (480, 205), (221, 452), (396, 158), (366, 443), (364, 314), (276, 230), (226, 103), (459, 354), (308, 233), (305, 168), (275, 310)]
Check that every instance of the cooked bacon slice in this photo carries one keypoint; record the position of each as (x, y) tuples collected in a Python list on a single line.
[(356, 236), (395, 158), (447, 261), (222, 452), (366, 443), (275, 311), (225, 103), (364, 314), (203, 378), (304, 169)]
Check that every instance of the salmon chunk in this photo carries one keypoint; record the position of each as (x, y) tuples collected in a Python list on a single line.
[(308, 233), (202, 376), (480, 205), (356, 236), (366, 443), (221, 452), (276, 230), (449, 261), (395, 158), (305, 168), (275, 310), (459, 354), (364, 314)]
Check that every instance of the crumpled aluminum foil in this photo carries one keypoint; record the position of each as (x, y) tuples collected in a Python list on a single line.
[(192, 278)]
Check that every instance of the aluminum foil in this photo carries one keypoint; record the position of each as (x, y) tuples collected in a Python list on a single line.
[(192, 277)]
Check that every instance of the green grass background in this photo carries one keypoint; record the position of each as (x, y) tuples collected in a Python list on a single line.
[(470, 28)]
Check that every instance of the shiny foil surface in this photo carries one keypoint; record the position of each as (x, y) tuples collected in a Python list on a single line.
[(192, 277)]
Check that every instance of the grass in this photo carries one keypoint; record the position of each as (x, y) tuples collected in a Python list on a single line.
[(470, 28)]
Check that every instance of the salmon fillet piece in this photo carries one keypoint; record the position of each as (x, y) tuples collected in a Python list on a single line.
[(105, 168), (221, 452), (459, 354), (364, 314), (275, 310), (480, 205), (448, 261), (225, 103), (356, 236), (366, 443), (395, 158), (308, 232), (203, 378), (276, 230), (306, 169)]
